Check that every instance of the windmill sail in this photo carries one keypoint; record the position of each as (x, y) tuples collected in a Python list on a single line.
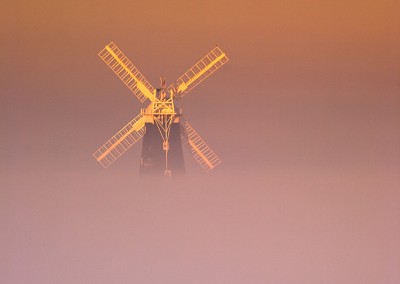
[(201, 70), (160, 116), (127, 72), (201, 152), (120, 142)]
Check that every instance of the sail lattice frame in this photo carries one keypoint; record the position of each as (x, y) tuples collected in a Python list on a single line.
[(127, 72), (120, 142), (201, 152), (200, 71)]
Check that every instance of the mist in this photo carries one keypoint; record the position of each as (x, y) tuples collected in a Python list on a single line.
[(304, 116)]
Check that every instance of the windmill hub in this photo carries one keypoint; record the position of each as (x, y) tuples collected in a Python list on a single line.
[(161, 123)]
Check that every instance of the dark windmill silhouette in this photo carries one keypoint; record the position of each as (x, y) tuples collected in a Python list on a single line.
[(161, 123)]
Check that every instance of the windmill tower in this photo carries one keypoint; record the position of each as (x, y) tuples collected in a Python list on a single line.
[(161, 123)]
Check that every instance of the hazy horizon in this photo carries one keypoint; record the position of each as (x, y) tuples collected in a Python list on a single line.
[(305, 117)]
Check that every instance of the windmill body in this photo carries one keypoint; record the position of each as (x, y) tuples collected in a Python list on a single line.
[(153, 159), (161, 122)]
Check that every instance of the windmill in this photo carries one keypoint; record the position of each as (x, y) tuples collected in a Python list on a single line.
[(161, 123)]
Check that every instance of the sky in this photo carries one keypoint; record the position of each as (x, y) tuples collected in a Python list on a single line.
[(305, 117)]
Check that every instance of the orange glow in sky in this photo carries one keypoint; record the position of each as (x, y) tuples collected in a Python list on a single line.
[(305, 118)]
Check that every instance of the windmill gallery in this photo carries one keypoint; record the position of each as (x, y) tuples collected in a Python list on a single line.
[(161, 123)]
